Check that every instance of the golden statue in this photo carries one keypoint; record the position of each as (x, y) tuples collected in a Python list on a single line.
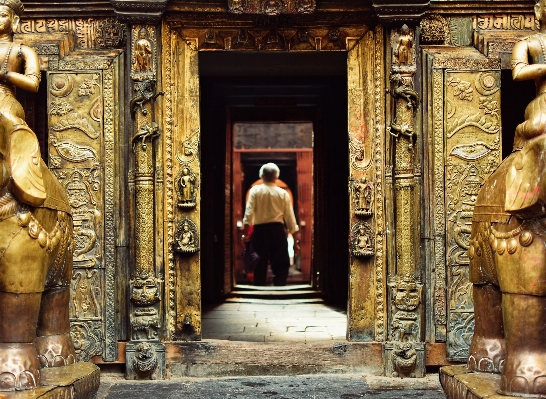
[(35, 230), (508, 244)]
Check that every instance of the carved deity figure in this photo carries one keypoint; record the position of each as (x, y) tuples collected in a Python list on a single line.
[(363, 196), (272, 7), (508, 244), (187, 183), (237, 6), (363, 241), (143, 52), (187, 237), (35, 230), (404, 46)]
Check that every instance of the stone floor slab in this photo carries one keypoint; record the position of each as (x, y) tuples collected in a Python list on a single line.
[(322, 386)]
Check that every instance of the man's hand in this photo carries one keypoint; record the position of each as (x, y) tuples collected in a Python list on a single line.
[(245, 237), (297, 247)]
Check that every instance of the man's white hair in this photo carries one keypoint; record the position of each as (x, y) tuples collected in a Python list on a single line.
[(268, 169)]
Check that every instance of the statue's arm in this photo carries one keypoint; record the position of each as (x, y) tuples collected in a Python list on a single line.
[(521, 70), (30, 80)]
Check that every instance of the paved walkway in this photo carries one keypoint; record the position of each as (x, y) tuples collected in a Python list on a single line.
[(274, 320), (323, 386)]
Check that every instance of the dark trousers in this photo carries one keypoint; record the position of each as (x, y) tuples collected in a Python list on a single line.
[(269, 241)]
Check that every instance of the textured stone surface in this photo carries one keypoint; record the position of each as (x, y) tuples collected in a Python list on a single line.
[(285, 387), (461, 383), (77, 381)]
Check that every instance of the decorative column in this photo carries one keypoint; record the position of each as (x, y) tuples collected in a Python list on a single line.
[(145, 354), (404, 349)]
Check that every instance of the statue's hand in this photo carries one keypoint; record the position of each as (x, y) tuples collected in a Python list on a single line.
[(525, 191), (26, 181)]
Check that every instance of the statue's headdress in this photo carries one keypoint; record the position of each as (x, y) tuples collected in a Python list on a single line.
[(15, 5)]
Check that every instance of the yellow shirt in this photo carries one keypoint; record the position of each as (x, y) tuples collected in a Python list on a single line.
[(268, 203)]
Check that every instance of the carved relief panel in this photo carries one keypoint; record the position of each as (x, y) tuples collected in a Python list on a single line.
[(181, 135), (472, 129), (81, 128), (367, 295)]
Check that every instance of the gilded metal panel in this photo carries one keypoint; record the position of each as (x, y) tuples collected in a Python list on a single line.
[(472, 134), (181, 152), (367, 283), (82, 129), (76, 152)]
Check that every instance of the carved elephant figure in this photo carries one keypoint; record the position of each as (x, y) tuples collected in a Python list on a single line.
[(36, 247), (145, 320), (508, 271)]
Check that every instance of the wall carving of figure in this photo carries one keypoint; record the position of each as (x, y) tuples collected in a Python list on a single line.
[(362, 242), (36, 241), (144, 52), (186, 183), (363, 197), (404, 45), (186, 237), (508, 245)]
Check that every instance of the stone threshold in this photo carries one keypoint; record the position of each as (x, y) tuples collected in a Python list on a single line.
[(219, 358)]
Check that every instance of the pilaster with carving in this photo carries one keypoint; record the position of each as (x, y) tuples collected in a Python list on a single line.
[(367, 298), (404, 349), (145, 353)]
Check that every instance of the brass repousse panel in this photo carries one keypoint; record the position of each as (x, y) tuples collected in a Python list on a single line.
[(75, 102), (472, 134)]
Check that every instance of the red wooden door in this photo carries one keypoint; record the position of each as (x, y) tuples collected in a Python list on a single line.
[(304, 167)]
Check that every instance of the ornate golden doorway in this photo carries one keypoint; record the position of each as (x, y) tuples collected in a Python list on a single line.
[(350, 150)]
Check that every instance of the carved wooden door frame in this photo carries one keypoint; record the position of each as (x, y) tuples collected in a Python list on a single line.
[(367, 297)]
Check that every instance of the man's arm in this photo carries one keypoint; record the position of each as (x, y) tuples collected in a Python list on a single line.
[(248, 218), (290, 219)]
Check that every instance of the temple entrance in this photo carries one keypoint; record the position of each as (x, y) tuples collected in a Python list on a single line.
[(261, 108)]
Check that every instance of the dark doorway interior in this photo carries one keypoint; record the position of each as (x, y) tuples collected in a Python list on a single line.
[(35, 106), (269, 88), (515, 96)]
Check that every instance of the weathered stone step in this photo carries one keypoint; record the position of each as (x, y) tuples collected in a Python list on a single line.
[(270, 294), (291, 287), (218, 358)]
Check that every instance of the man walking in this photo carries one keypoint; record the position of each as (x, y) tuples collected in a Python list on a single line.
[(269, 209)]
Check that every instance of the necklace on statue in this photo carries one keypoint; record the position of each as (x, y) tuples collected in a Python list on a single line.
[(542, 46), (5, 64)]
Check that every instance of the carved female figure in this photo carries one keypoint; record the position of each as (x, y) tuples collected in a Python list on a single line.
[(35, 230), (508, 244)]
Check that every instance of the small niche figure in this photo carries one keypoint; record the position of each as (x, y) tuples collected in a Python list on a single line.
[(187, 237), (363, 197), (187, 188), (361, 242), (143, 52), (404, 45)]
